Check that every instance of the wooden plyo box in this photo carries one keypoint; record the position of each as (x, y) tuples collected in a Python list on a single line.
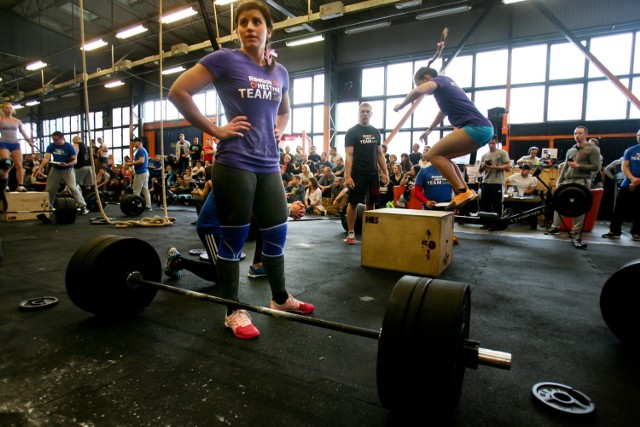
[(19, 203), (407, 240)]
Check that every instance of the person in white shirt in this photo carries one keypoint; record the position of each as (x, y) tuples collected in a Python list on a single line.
[(525, 182)]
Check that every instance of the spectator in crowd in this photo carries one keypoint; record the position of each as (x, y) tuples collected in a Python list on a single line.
[(305, 175), (384, 152), (432, 188), (102, 179), (326, 182), (297, 158), (313, 196), (182, 153), (405, 163), (493, 164), (415, 155), (104, 151), (333, 155), (195, 151), (393, 159), (313, 155), (27, 165), (597, 178), (339, 197), (197, 173), (582, 160), (424, 161), (628, 199), (295, 190), (530, 159), (324, 163), (208, 151), (524, 181), (338, 168)]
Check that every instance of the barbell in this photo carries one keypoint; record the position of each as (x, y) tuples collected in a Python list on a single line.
[(64, 211), (423, 346)]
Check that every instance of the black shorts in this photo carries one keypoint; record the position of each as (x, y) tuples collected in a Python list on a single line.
[(366, 184)]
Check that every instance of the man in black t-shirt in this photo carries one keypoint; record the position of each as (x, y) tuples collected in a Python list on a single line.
[(363, 158), (195, 151)]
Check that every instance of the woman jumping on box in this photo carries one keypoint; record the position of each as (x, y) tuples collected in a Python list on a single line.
[(9, 145)]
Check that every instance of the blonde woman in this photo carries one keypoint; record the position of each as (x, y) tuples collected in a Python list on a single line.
[(9, 144)]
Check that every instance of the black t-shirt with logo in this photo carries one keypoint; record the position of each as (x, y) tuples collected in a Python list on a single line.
[(197, 151), (365, 141)]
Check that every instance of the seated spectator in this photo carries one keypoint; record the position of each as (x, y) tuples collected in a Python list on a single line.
[(27, 165), (324, 163), (170, 177), (102, 180), (423, 161), (197, 173), (313, 155), (305, 161), (305, 175), (339, 197), (405, 163), (408, 180), (313, 197), (326, 182), (530, 159), (333, 155), (432, 188), (115, 173), (392, 161), (115, 189), (181, 187), (155, 166), (295, 190), (525, 182), (338, 167)]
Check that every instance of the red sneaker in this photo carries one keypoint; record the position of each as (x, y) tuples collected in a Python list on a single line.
[(293, 305), (240, 323), (351, 239)]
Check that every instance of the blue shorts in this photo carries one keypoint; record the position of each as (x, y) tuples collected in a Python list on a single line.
[(480, 134), (11, 146)]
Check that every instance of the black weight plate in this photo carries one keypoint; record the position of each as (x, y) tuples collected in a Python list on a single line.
[(38, 303), (427, 353), (132, 205), (92, 201), (65, 210), (197, 252), (572, 200), (619, 302), (563, 398), (359, 214), (391, 368), (99, 282)]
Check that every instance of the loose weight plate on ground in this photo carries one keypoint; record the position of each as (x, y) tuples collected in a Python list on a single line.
[(96, 275), (423, 334), (572, 200), (38, 303), (132, 205), (563, 398), (619, 303), (359, 214)]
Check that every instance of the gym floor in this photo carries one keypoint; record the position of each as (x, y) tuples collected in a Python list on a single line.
[(535, 296)]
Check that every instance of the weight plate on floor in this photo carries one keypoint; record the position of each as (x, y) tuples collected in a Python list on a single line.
[(196, 252), (65, 210), (359, 214), (92, 201), (572, 200), (420, 353), (619, 302), (38, 303), (132, 205), (96, 277), (563, 398)]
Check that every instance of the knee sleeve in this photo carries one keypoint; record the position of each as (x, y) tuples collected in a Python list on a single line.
[(232, 240), (273, 240)]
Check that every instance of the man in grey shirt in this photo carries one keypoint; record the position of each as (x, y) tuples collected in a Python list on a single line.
[(583, 159), (493, 164)]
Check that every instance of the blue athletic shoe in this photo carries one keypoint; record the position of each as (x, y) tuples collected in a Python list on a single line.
[(257, 272), (172, 254)]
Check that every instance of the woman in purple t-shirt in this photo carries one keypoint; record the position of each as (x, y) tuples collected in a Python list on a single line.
[(473, 130), (246, 175)]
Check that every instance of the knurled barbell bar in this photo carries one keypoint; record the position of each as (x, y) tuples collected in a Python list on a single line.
[(423, 346)]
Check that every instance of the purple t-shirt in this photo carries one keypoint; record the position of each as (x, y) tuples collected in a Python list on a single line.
[(454, 103), (247, 89)]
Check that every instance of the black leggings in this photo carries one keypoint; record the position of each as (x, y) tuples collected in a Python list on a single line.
[(239, 195)]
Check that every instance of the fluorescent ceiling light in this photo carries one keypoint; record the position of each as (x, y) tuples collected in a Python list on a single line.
[(36, 65), (17, 106), (32, 103), (308, 40), (174, 70), (178, 15), (443, 12), (131, 32), (368, 27), (408, 4), (224, 2), (511, 1), (294, 29), (115, 83), (94, 45)]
